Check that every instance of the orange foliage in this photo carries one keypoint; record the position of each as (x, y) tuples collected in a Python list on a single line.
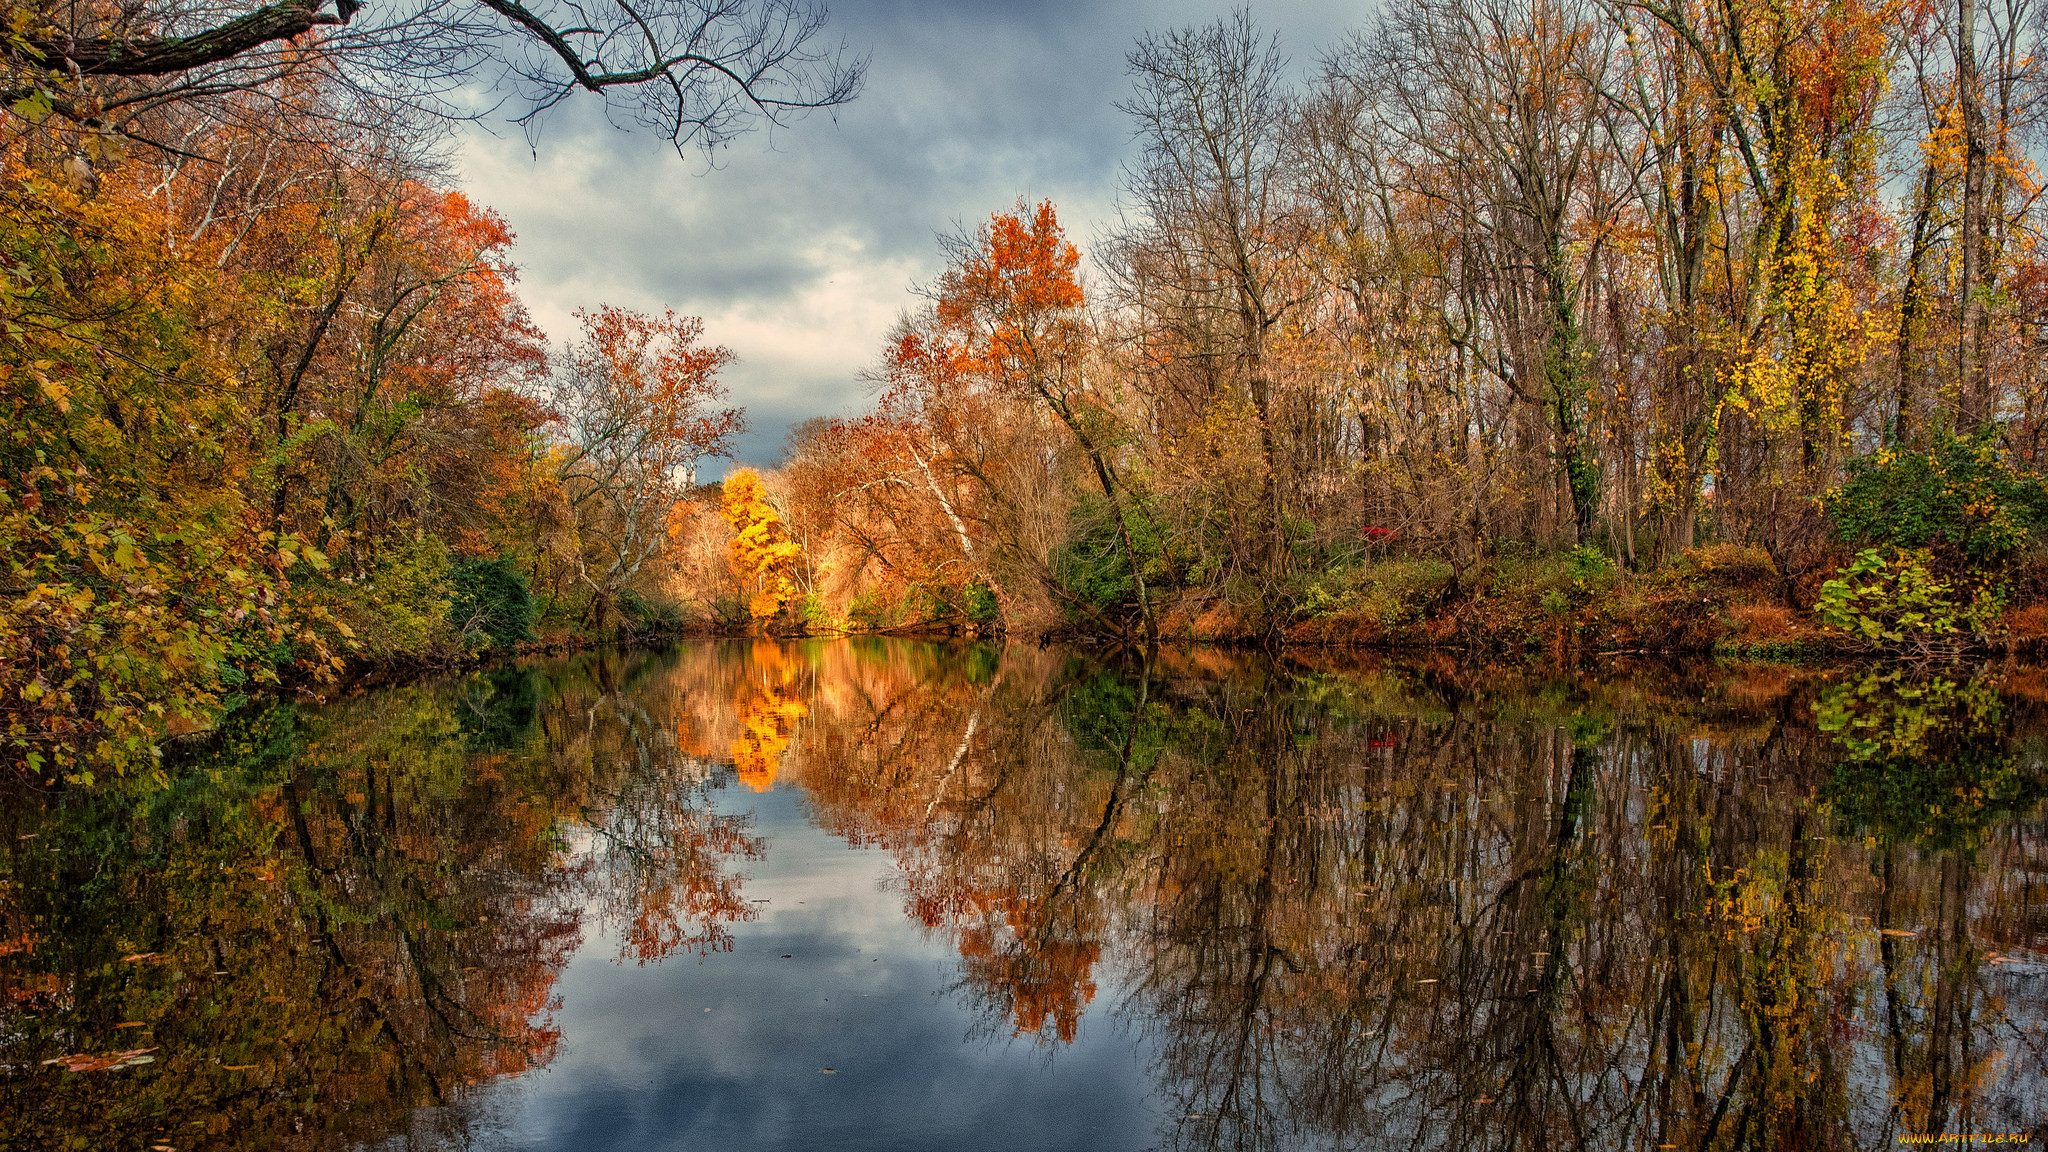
[(1011, 298)]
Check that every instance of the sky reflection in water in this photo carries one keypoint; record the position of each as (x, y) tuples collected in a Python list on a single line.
[(863, 992), (1021, 899)]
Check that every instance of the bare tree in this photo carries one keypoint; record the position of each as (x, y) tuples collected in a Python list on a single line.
[(1211, 234), (701, 72), (1491, 114)]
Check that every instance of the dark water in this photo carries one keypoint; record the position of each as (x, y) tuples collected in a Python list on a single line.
[(863, 895)]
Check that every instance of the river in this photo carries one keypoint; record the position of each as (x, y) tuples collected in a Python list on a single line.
[(869, 894)]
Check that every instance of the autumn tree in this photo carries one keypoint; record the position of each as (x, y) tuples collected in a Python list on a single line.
[(1009, 311), (761, 553), (1490, 112), (138, 585), (635, 400), (1205, 261)]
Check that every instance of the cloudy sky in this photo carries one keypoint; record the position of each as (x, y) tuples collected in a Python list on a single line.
[(800, 249)]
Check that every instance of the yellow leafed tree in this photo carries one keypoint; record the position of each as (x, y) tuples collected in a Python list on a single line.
[(761, 552)]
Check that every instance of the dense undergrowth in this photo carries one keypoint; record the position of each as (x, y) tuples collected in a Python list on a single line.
[(1919, 553)]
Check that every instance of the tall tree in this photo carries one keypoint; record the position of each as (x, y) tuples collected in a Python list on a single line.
[(1011, 308), (1208, 245), (636, 399)]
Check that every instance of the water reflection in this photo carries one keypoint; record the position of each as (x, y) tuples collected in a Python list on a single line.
[(1332, 906)]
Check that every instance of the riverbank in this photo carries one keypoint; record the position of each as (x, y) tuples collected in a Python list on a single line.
[(1722, 602)]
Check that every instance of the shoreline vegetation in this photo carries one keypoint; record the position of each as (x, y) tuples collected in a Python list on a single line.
[(1574, 329)]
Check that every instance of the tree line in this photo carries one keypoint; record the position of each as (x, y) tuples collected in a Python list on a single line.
[(1486, 282), (1588, 317), (272, 405)]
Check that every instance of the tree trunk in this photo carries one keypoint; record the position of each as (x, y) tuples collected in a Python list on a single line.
[(1971, 394), (1912, 314)]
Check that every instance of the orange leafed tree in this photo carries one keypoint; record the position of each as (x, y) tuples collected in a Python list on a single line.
[(1009, 311), (637, 398)]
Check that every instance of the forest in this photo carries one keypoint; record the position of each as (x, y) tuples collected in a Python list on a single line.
[(1577, 325)]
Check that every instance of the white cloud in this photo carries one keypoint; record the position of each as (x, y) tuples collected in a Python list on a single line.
[(800, 249)]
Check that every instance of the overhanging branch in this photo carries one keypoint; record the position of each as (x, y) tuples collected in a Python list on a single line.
[(161, 56)]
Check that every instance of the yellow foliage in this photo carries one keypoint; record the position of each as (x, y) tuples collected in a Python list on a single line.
[(1826, 331), (768, 713), (761, 551)]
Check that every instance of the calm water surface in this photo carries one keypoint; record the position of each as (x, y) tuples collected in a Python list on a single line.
[(880, 895)]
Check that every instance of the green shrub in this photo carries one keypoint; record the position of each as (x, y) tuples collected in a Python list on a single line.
[(1329, 591), (401, 609), (489, 604), (1890, 600), (1391, 592), (1591, 569), (646, 615), (980, 602), (1553, 581), (1092, 566), (1959, 499), (869, 613), (1938, 528), (810, 610)]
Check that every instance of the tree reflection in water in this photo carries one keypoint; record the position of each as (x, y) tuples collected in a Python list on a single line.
[(333, 917), (1376, 906), (1418, 908)]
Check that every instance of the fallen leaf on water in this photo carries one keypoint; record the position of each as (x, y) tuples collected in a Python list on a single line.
[(111, 1062), (829, 1071)]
